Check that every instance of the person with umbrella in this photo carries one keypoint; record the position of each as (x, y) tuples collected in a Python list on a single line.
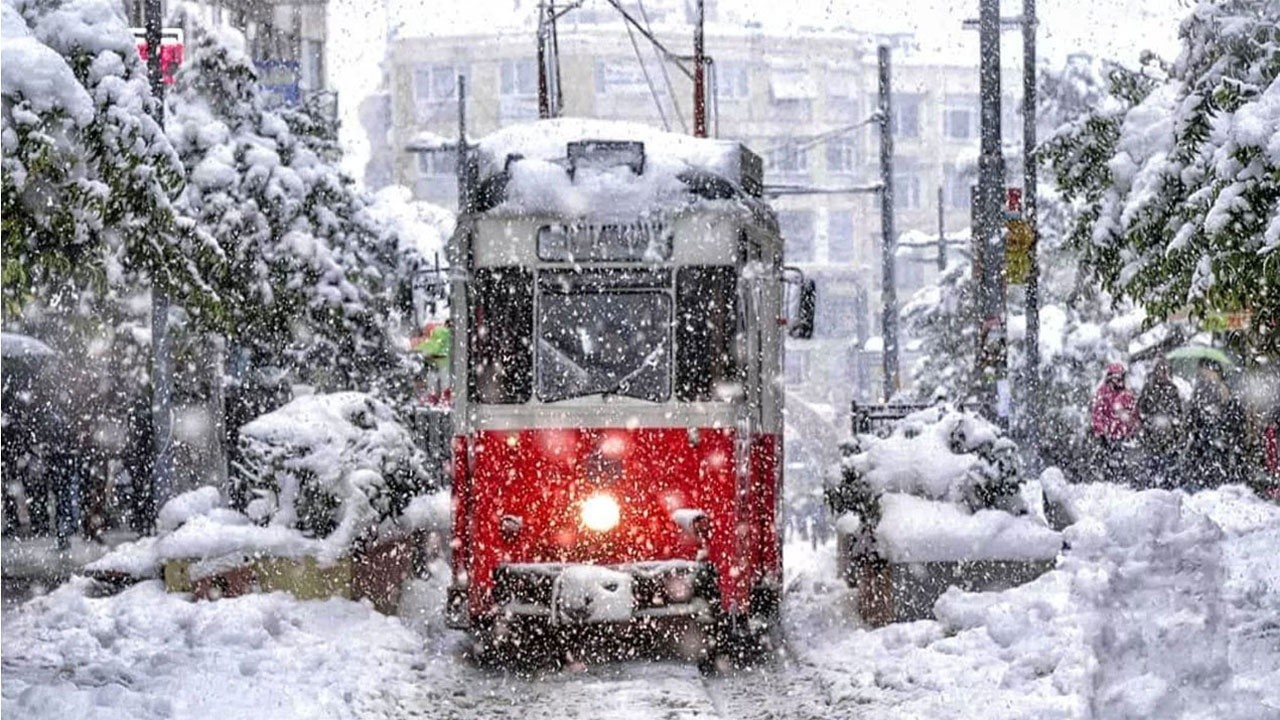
[(1215, 455), (1114, 421), (1160, 408)]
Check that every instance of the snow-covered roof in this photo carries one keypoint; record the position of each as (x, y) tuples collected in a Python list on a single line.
[(533, 157)]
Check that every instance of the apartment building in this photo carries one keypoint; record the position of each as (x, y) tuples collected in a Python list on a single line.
[(804, 100)]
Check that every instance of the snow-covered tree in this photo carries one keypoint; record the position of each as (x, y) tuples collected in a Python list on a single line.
[(312, 280), (1077, 335), (88, 175), (1176, 176)]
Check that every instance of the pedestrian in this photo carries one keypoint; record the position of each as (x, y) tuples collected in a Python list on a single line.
[(1215, 455), (1268, 484), (1163, 432), (1115, 421)]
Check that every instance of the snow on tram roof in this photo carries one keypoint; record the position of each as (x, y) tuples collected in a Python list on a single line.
[(539, 182)]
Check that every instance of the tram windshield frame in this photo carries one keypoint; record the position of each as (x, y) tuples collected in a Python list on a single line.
[(604, 332)]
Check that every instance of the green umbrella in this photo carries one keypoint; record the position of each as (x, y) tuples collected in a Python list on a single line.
[(1201, 352), (436, 345)]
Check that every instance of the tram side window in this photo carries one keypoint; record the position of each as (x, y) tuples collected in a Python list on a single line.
[(706, 326), (500, 339)]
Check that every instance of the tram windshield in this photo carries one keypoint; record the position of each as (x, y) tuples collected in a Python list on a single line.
[(604, 333)]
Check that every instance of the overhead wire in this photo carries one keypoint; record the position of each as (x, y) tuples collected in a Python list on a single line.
[(666, 76), (653, 92)]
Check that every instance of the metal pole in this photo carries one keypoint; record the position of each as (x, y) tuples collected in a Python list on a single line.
[(464, 172), (544, 104), (699, 79), (942, 237), (161, 342), (888, 290), (556, 92), (1029, 101), (991, 329)]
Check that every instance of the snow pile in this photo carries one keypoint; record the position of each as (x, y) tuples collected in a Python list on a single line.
[(334, 466), (539, 180), (913, 529), (148, 654), (1163, 606)]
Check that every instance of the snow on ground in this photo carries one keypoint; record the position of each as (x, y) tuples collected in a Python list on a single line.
[(146, 653), (1164, 606)]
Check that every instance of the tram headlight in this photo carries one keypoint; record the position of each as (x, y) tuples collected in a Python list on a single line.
[(600, 512)]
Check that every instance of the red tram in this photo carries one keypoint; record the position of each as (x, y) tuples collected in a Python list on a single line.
[(617, 452)]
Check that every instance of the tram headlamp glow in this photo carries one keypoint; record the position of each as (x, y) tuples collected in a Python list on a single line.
[(600, 513)]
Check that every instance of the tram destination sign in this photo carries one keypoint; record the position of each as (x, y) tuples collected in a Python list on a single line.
[(623, 242)]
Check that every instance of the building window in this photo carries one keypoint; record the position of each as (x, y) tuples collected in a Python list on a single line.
[(842, 96), (733, 81), (519, 90), (438, 162), (519, 78), (313, 65), (905, 120), (909, 275), (791, 93), (837, 313), (787, 156), (956, 189), (797, 231), (436, 83), (840, 240), (842, 155), (960, 117), (906, 191), (620, 76)]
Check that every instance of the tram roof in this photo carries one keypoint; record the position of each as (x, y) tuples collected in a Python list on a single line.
[(529, 169)]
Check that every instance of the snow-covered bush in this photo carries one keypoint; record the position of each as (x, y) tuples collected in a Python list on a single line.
[(937, 454), (943, 486), (333, 466)]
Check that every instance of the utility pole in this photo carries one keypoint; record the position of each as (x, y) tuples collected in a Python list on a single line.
[(161, 342), (557, 95), (699, 78), (942, 237), (888, 289), (544, 104), (989, 238), (464, 157), (1029, 101)]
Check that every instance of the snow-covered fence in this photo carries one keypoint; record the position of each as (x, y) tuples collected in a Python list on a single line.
[(937, 502)]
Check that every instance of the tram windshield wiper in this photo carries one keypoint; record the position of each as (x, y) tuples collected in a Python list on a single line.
[(649, 361)]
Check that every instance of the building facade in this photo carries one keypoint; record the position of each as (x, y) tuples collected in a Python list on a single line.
[(805, 102), (285, 39)]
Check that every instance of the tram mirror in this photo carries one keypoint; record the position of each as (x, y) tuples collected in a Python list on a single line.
[(802, 325)]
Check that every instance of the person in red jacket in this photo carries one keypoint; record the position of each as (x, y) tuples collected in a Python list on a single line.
[(1115, 419)]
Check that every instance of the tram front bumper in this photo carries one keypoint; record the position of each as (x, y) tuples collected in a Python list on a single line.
[(580, 594)]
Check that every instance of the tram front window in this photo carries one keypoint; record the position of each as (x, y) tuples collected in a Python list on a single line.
[(602, 334)]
